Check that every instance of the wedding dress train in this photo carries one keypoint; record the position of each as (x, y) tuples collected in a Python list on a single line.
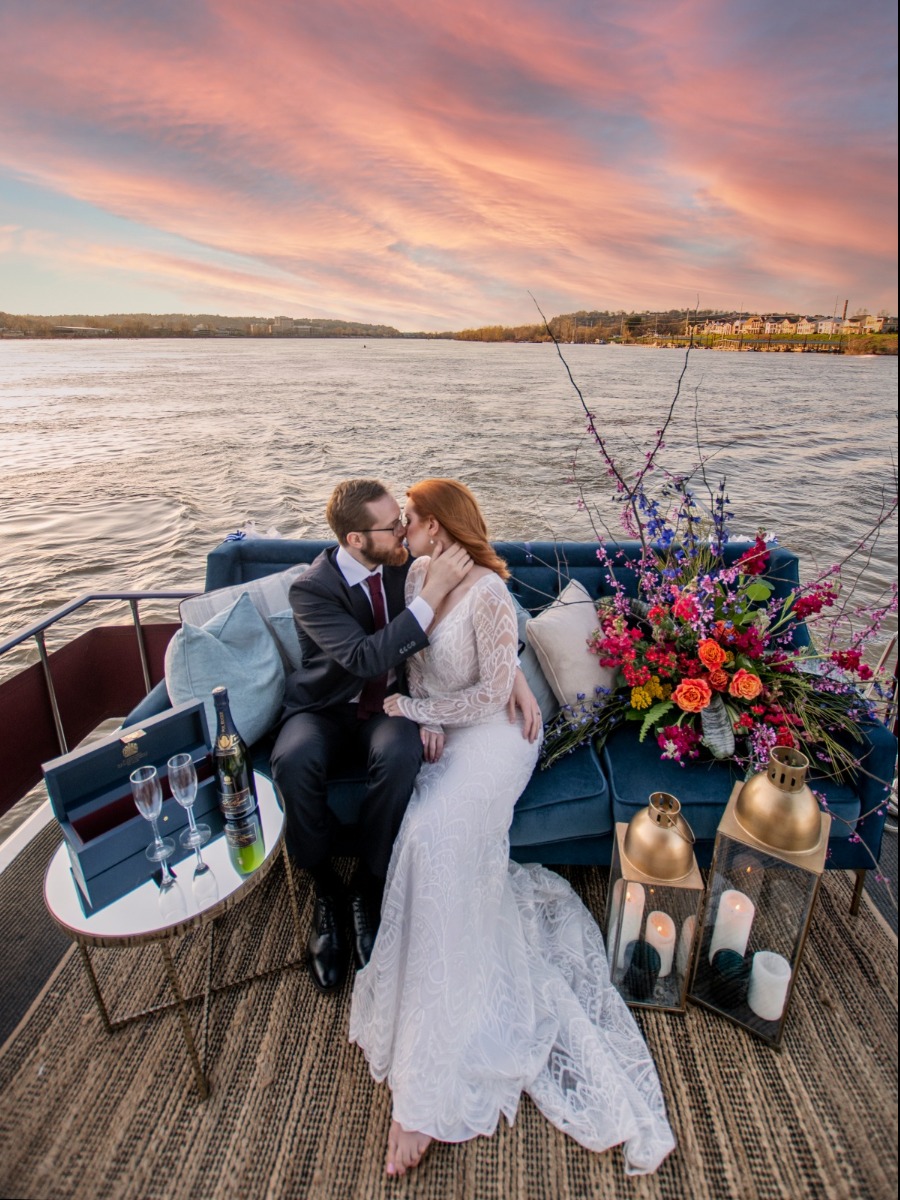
[(488, 978)]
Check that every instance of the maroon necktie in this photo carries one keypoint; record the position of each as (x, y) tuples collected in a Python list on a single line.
[(371, 700)]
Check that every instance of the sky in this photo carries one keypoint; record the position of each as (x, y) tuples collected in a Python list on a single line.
[(435, 164)]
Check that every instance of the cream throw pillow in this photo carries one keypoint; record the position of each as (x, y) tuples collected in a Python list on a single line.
[(559, 636)]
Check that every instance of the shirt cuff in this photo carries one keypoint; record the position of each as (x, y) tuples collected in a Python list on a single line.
[(422, 611)]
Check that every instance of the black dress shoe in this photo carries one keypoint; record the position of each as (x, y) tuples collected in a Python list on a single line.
[(364, 918), (327, 955)]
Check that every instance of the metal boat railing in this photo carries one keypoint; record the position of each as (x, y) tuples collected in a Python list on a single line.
[(38, 630)]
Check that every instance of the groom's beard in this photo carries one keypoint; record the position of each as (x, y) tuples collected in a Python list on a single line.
[(394, 556)]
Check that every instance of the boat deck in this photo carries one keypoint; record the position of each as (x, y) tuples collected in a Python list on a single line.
[(293, 1110)]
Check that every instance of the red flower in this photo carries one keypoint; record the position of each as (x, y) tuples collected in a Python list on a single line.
[(678, 741), (754, 561), (851, 660), (820, 597), (750, 642), (663, 658), (635, 676), (685, 607), (718, 680)]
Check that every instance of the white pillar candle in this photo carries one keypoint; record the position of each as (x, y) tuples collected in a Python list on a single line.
[(615, 908), (685, 943), (770, 977), (661, 936), (631, 918), (733, 920)]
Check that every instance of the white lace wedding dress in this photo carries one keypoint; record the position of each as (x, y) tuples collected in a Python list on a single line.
[(488, 978)]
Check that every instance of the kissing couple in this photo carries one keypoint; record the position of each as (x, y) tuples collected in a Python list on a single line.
[(477, 978)]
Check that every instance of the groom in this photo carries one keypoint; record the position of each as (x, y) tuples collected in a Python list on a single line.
[(355, 634)]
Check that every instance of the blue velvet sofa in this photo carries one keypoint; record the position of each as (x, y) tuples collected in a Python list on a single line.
[(567, 814)]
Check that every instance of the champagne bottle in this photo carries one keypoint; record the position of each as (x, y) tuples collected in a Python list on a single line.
[(234, 775), (246, 847)]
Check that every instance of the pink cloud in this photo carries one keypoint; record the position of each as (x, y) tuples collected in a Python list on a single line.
[(441, 160)]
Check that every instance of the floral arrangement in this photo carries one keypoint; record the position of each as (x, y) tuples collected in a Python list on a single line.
[(708, 656), (707, 659)]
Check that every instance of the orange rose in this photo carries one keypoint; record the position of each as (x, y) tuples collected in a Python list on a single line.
[(745, 685), (692, 695), (710, 654), (718, 679)]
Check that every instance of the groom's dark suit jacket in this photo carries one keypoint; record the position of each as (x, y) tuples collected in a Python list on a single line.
[(338, 643)]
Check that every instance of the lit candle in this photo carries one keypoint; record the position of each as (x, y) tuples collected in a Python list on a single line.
[(630, 917), (661, 936), (770, 977), (685, 944), (733, 920)]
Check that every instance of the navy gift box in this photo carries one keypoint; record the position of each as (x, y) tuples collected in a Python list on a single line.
[(90, 794)]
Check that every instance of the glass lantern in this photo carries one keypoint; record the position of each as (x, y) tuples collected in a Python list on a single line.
[(653, 906), (767, 864)]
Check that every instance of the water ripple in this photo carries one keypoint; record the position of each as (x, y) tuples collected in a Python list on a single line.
[(124, 463)]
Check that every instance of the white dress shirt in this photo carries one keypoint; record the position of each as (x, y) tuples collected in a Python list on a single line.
[(356, 573)]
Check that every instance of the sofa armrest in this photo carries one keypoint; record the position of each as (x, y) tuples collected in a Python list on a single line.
[(156, 701), (879, 764)]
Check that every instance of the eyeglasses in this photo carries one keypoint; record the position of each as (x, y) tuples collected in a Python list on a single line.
[(398, 526)]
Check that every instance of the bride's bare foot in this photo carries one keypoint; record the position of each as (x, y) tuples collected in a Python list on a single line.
[(405, 1149)]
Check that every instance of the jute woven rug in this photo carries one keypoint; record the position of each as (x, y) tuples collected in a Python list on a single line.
[(293, 1111)]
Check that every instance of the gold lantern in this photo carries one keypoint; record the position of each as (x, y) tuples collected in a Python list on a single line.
[(767, 864), (653, 906)]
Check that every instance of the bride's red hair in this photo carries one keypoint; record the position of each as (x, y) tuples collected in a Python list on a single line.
[(455, 508)]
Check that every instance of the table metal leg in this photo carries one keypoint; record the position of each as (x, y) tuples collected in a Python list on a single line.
[(199, 1077), (207, 998), (95, 986)]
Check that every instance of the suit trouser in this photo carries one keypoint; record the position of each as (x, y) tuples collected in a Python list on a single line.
[(312, 746)]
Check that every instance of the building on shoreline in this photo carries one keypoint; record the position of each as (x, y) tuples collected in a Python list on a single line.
[(784, 325)]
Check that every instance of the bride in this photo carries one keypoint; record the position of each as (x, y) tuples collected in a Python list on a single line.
[(487, 978)]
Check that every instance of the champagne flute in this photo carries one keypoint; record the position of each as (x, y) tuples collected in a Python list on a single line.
[(183, 782), (147, 792), (204, 884), (172, 903)]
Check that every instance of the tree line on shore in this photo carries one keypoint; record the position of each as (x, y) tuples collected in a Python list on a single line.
[(585, 326)]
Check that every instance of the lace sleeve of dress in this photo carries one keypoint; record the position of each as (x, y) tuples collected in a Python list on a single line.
[(415, 581), (496, 640)]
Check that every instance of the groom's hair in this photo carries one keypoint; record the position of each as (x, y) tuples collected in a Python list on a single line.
[(347, 510)]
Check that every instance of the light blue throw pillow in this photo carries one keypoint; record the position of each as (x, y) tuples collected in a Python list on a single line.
[(531, 667), (235, 649), (285, 629)]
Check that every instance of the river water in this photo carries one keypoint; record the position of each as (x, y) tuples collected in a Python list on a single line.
[(125, 462)]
